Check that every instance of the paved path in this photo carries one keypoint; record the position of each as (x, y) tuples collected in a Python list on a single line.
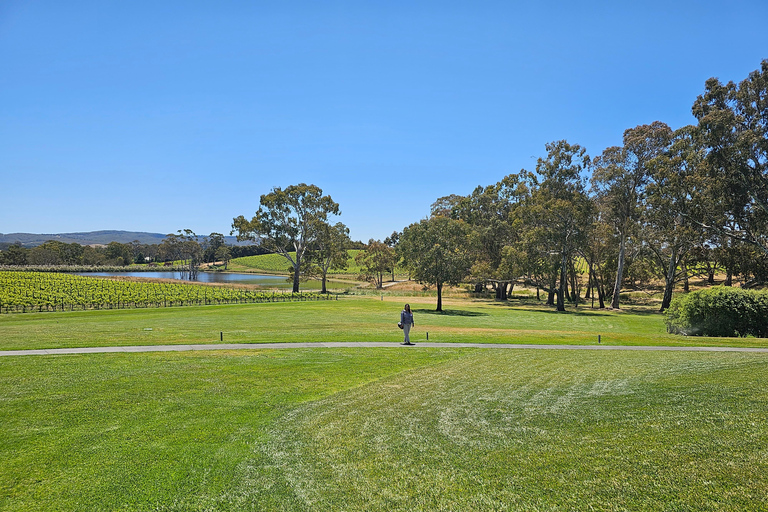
[(365, 344)]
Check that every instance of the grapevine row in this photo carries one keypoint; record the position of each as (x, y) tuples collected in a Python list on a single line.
[(44, 291)]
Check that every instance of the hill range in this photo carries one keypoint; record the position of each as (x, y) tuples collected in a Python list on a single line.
[(92, 238)]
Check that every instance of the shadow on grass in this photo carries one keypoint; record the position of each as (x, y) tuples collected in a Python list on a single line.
[(449, 312), (583, 310)]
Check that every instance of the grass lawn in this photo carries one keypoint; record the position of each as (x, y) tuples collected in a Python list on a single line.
[(348, 319), (384, 429), (278, 264)]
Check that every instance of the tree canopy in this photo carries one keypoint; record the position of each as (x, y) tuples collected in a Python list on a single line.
[(288, 221), (436, 251)]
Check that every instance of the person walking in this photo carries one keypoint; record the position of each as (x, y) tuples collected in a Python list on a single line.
[(406, 320)]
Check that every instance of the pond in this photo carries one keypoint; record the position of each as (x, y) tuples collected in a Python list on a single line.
[(205, 277)]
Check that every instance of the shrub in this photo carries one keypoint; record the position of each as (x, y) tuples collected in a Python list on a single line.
[(719, 311)]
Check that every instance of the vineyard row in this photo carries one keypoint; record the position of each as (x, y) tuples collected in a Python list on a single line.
[(37, 292)]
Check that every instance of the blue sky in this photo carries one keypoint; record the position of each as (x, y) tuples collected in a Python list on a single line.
[(158, 116)]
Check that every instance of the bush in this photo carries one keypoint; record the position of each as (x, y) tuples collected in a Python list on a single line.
[(719, 311)]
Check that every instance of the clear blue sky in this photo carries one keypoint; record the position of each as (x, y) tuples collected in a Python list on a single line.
[(159, 115)]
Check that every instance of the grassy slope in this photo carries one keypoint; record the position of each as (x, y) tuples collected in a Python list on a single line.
[(276, 263), (385, 429), (348, 319)]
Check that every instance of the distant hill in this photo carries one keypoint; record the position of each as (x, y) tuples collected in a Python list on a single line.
[(91, 238)]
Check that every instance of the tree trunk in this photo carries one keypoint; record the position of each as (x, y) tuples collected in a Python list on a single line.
[(296, 274), (561, 290), (574, 287), (619, 274), (670, 282), (599, 287), (324, 280), (439, 296)]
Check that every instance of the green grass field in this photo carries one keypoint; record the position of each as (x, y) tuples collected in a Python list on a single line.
[(347, 319), (377, 429), (384, 429)]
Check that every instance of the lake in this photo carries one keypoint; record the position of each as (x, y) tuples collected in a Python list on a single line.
[(205, 277)]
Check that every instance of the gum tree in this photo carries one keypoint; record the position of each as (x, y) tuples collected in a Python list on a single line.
[(557, 214), (288, 222), (619, 180), (436, 251), (733, 186), (330, 249)]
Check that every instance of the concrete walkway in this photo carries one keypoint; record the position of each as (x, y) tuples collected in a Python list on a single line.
[(362, 344)]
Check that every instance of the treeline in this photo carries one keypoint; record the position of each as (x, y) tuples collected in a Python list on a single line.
[(184, 246), (664, 206)]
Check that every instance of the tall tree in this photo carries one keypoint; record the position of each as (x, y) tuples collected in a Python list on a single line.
[(376, 259), (558, 213), (287, 222), (16, 254), (223, 254), (619, 180), (667, 230), (190, 252), (733, 191), (436, 251), (211, 245), (488, 210), (330, 250)]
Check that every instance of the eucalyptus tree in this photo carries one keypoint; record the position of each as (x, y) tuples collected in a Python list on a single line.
[(287, 222), (119, 254), (597, 250), (392, 241), (488, 211), (436, 251), (558, 213), (733, 123), (224, 255), (376, 259), (15, 254), (443, 206), (211, 245), (619, 179), (190, 252), (668, 232), (330, 250)]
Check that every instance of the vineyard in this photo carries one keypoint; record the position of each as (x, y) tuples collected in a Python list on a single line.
[(22, 292)]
